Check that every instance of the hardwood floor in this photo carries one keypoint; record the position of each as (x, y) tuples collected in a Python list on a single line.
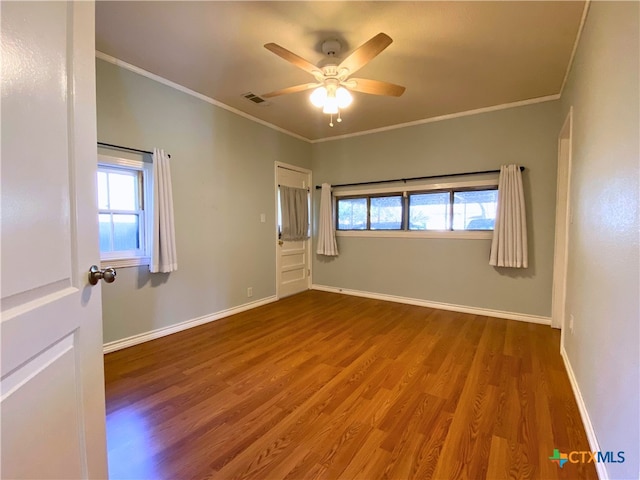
[(327, 386)]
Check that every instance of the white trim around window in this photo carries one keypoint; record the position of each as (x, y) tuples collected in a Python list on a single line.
[(124, 262), (141, 256), (459, 234), (415, 187)]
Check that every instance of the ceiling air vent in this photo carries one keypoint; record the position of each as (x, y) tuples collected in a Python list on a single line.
[(252, 97)]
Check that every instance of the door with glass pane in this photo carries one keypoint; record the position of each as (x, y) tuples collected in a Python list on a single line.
[(293, 257)]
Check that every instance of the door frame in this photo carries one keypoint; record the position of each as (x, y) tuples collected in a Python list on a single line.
[(306, 171), (563, 220)]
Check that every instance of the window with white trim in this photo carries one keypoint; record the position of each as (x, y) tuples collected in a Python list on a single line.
[(124, 201), (463, 209)]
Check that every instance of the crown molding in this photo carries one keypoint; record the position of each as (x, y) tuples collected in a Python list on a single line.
[(575, 45), (440, 118), (188, 91)]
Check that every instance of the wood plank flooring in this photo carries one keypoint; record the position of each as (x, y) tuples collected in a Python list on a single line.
[(326, 386)]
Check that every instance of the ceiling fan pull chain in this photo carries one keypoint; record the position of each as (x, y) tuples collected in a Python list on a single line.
[(331, 120), (339, 119)]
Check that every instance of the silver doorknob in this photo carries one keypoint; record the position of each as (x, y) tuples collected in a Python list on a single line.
[(95, 274)]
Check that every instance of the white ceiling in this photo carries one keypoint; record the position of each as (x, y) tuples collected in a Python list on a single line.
[(451, 56)]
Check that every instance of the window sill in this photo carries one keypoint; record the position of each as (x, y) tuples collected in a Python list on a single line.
[(124, 262), (462, 235)]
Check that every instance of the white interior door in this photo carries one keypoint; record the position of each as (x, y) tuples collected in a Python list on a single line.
[(563, 219), (52, 380), (293, 258)]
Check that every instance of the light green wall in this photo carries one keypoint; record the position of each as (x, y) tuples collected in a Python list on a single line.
[(603, 272), (223, 179), (449, 270)]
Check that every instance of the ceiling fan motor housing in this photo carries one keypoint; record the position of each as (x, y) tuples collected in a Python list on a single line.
[(331, 47)]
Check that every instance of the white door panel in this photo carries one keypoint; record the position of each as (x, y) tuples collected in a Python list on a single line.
[(293, 258), (32, 71), (56, 440), (52, 380)]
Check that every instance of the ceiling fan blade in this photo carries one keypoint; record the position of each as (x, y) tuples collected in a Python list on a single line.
[(292, 58), (374, 87), (294, 89), (365, 53)]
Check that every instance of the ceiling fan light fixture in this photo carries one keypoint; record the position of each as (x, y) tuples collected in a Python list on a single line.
[(344, 97), (318, 97), (331, 98), (330, 105)]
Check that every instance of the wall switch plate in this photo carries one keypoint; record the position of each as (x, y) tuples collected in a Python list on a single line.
[(263, 218), (250, 292), (571, 323)]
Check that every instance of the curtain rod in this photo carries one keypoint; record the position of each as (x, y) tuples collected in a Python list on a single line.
[(129, 149), (307, 189), (414, 178)]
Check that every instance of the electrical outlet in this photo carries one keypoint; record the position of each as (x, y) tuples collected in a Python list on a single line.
[(250, 292), (571, 323)]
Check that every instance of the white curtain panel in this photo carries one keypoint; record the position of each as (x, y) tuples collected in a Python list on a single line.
[(164, 257), (326, 227), (509, 246), (294, 211)]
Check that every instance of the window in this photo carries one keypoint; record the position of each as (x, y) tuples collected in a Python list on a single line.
[(370, 213), (429, 211), (453, 210), (475, 209), (456, 208), (123, 219), (352, 214), (385, 213)]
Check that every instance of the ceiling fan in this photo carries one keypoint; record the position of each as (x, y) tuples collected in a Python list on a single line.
[(333, 82)]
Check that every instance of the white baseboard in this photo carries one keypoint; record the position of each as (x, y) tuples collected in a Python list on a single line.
[(601, 469), (521, 317), (178, 327), (161, 332)]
